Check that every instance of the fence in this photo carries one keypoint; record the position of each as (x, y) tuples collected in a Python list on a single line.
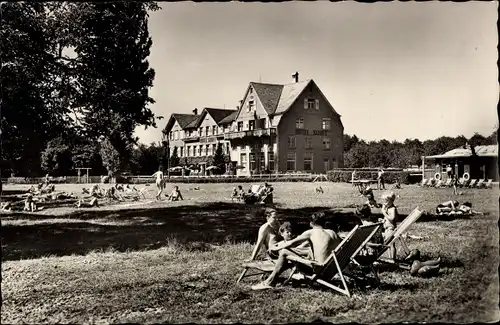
[(142, 179)]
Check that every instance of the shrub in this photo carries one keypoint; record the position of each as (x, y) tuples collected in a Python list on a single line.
[(342, 175)]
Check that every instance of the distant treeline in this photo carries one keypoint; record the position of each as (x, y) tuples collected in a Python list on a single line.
[(359, 153)]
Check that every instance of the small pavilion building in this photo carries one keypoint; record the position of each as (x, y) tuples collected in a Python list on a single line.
[(480, 162)]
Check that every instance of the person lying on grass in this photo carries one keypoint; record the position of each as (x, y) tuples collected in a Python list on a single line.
[(454, 208), (175, 195), (268, 235), (92, 203), (421, 268), (323, 242)]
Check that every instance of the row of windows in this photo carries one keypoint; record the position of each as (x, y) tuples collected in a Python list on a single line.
[(292, 142), (200, 150), (261, 161), (308, 161), (214, 130), (326, 123), (203, 131)]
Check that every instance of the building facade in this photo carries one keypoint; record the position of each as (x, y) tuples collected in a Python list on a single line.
[(276, 128)]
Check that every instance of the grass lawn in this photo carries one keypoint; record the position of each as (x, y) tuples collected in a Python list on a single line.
[(156, 262)]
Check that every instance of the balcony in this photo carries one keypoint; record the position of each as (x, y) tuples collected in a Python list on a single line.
[(250, 133), (191, 138)]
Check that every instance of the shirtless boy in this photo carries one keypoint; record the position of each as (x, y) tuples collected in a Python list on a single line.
[(268, 234), (322, 241)]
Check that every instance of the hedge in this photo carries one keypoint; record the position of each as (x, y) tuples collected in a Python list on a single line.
[(239, 179), (389, 176)]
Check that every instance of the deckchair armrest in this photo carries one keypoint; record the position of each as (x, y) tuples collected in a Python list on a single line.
[(374, 245)]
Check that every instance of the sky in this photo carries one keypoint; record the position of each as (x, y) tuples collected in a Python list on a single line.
[(392, 70)]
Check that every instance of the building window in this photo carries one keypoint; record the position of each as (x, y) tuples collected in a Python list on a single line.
[(262, 162), (308, 142), (290, 161), (194, 151), (176, 135), (291, 141), (270, 158), (214, 129), (214, 149), (263, 123), (311, 103), (299, 123), (200, 149), (253, 165), (250, 105), (240, 126), (326, 123), (208, 150), (227, 149), (188, 151), (181, 151), (171, 135), (308, 161), (243, 160), (251, 125), (326, 143), (207, 131), (200, 132)]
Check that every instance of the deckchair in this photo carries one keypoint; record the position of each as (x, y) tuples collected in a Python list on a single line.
[(472, 183), (480, 183), (338, 261), (488, 184), (396, 236), (258, 268)]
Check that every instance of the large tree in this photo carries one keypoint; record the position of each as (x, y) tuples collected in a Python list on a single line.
[(33, 110), (112, 43)]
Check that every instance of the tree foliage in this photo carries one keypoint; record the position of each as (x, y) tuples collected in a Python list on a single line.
[(219, 160), (358, 153), (174, 158)]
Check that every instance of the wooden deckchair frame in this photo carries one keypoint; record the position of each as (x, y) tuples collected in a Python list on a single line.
[(396, 236), (340, 258)]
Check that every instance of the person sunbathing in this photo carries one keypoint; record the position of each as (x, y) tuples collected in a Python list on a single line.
[(390, 213), (268, 234), (323, 242), (368, 193), (418, 267), (454, 208), (93, 203), (175, 195), (286, 234)]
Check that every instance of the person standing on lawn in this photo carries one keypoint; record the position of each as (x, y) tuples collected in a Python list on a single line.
[(380, 179), (159, 182)]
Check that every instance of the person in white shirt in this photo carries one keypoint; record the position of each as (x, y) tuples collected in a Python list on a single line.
[(380, 180)]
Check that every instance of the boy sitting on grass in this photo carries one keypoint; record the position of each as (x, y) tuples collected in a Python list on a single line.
[(322, 241), (175, 195)]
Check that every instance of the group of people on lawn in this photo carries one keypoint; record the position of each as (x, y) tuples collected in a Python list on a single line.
[(264, 194), (314, 246)]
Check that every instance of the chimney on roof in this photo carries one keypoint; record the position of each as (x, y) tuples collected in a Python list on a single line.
[(195, 111), (296, 76)]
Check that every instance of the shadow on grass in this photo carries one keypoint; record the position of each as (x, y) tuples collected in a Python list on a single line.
[(193, 227)]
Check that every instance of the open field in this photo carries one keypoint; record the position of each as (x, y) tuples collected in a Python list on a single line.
[(178, 262)]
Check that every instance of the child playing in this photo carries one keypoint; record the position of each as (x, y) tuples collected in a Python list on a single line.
[(175, 195)]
